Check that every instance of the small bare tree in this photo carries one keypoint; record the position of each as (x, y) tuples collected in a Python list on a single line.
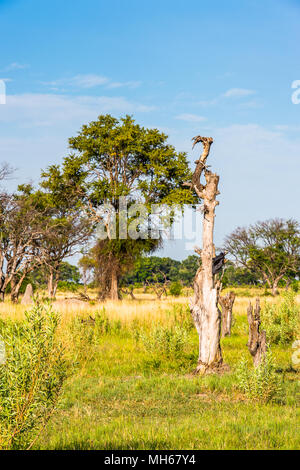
[(128, 291), (20, 229), (204, 306), (61, 239), (158, 287)]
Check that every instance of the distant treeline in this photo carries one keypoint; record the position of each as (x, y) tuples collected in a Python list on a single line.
[(153, 269)]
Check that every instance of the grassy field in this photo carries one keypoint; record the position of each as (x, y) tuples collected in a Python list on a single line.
[(126, 390)]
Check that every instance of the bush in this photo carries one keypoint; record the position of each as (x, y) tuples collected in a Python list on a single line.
[(181, 315), (295, 286), (281, 321), (66, 286), (31, 377), (175, 289), (260, 383), (167, 341), (90, 330)]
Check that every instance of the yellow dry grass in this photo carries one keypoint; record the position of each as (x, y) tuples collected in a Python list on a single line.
[(145, 308)]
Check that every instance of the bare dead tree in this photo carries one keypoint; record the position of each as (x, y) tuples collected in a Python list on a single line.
[(19, 231), (227, 303), (128, 291), (204, 306), (159, 288), (5, 171), (61, 239), (257, 343)]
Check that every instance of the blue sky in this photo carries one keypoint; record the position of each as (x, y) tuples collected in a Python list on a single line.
[(223, 69)]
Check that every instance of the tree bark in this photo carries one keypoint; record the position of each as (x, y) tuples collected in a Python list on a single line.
[(227, 303), (52, 282), (15, 288), (257, 343), (204, 306), (288, 282), (275, 286), (114, 291)]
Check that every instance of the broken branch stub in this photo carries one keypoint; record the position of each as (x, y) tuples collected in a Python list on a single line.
[(227, 303), (257, 343)]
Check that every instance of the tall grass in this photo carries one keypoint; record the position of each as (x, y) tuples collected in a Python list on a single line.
[(130, 385)]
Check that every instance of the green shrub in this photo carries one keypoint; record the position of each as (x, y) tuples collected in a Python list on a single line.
[(175, 289), (281, 321), (89, 330), (104, 325), (295, 286), (66, 286), (182, 317), (167, 341), (31, 377), (260, 383)]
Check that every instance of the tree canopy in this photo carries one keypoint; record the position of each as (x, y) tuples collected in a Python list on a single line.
[(271, 249), (113, 158)]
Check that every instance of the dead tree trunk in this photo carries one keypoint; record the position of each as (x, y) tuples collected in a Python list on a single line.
[(227, 306), (204, 306), (257, 343)]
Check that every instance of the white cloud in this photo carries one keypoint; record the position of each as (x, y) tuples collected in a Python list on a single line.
[(190, 117), (211, 102), (79, 81), (15, 66), (90, 81), (51, 110), (238, 93), (130, 84)]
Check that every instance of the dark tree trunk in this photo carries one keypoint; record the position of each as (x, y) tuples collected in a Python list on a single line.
[(257, 343), (15, 288), (114, 289)]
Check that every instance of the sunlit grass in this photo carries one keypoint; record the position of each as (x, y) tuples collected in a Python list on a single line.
[(121, 396)]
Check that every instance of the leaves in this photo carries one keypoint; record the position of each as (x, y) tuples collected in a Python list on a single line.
[(270, 249), (32, 376)]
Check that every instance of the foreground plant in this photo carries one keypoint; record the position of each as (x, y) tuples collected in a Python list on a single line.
[(163, 340), (31, 378), (260, 383), (282, 321)]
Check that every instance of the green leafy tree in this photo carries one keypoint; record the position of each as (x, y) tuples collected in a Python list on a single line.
[(175, 288), (63, 227), (110, 159), (238, 276), (270, 249), (188, 270)]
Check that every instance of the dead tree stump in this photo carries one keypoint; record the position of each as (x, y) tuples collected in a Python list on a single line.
[(257, 343), (227, 303), (204, 306), (28, 296)]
